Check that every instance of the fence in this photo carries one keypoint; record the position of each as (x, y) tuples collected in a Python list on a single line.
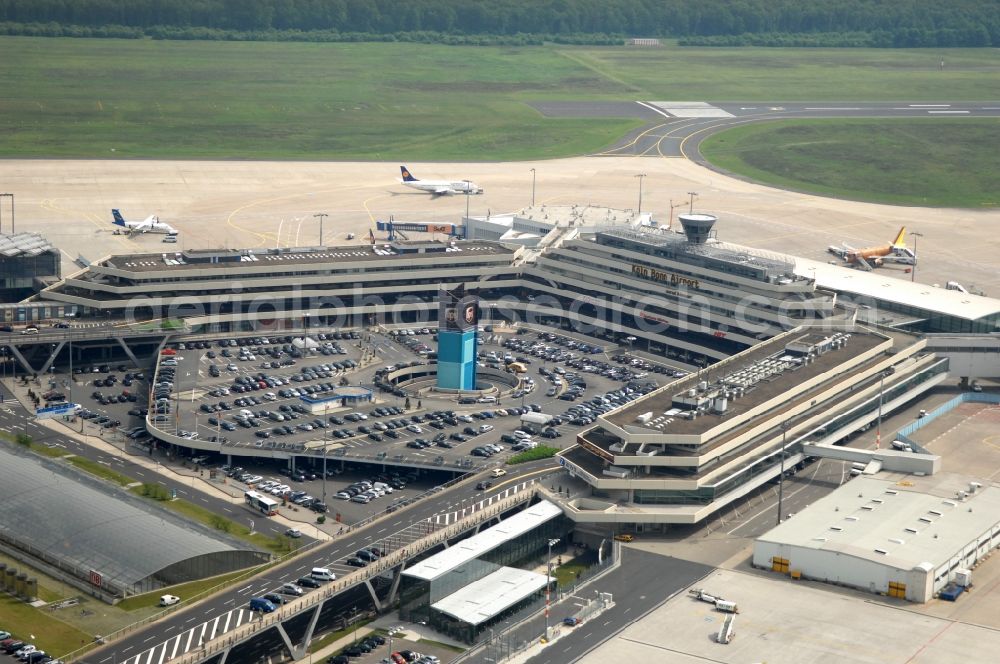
[(498, 646), (129, 629), (436, 534), (966, 397)]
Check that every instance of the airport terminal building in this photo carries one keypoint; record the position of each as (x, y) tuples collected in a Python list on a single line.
[(686, 450)]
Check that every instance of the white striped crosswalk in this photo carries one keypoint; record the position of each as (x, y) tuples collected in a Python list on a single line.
[(192, 638)]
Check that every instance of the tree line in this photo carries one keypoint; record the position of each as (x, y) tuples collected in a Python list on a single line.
[(885, 23)]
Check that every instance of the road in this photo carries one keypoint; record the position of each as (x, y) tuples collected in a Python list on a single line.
[(187, 629), (642, 582)]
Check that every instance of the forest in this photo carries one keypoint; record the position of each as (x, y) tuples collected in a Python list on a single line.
[(877, 23)]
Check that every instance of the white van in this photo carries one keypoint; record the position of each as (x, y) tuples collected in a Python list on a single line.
[(322, 574), (246, 413)]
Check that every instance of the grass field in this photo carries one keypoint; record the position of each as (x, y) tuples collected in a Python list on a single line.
[(30, 624), (186, 591), (95, 468), (927, 162), (165, 99)]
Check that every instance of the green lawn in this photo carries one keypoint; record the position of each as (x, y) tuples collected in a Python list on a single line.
[(186, 591), (276, 545), (100, 470), (39, 627), (927, 162), (379, 101)]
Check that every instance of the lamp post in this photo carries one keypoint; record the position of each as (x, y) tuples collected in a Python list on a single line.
[(322, 216), (325, 450), (640, 176), (878, 425), (630, 340), (913, 272), (468, 185), (693, 195), (781, 477), (548, 584), (532, 187), (11, 197)]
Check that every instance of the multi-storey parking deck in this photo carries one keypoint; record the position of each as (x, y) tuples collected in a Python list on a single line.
[(227, 287)]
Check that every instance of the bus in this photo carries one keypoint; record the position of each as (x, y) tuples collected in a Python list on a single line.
[(261, 503)]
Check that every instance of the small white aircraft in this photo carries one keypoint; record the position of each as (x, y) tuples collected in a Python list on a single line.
[(150, 224), (439, 187)]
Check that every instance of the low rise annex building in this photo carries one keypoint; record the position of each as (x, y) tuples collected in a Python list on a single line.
[(901, 535)]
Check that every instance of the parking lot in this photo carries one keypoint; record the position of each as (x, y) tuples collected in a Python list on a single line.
[(19, 650), (246, 392)]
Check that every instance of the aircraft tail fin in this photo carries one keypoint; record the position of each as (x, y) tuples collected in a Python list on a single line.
[(119, 220), (900, 240), (407, 177)]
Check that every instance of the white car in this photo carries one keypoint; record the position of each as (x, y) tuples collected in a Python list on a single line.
[(169, 600), (254, 479), (499, 472), (294, 533)]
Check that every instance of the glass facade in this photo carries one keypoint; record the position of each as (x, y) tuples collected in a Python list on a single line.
[(417, 595)]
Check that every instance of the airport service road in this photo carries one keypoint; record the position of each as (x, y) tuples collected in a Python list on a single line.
[(13, 419), (189, 627), (641, 583)]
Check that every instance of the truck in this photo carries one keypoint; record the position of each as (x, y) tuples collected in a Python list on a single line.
[(541, 419)]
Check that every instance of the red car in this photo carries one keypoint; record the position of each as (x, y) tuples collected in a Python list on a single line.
[(398, 659)]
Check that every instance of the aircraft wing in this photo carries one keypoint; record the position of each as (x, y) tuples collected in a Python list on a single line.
[(443, 191)]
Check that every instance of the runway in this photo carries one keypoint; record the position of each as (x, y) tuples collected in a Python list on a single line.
[(242, 204)]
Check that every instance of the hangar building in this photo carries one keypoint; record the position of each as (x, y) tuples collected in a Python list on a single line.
[(901, 535), (111, 545)]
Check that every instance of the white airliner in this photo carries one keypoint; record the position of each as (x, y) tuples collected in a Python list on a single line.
[(150, 224), (439, 187)]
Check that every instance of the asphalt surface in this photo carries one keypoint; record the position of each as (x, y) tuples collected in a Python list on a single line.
[(14, 419), (679, 127), (149, 644), (641, 583)]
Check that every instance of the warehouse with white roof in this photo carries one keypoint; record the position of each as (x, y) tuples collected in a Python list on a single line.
[(904, 536)]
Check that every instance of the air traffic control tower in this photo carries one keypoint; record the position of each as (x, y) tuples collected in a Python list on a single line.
[(458, 317)]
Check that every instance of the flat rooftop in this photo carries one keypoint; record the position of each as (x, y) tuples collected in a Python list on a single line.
[(662, 400), (472, 548), (900, 522), (479, 601), (793, 622), (878, 285), (202, 259)]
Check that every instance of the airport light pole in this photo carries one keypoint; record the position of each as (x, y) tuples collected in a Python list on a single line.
[(548, 584), (467, 186), (532, 187), (11, 197), (322, 216), (781, 477), (325, 451), (641, 176), (693, 195), (913, 272), (878, 425)]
